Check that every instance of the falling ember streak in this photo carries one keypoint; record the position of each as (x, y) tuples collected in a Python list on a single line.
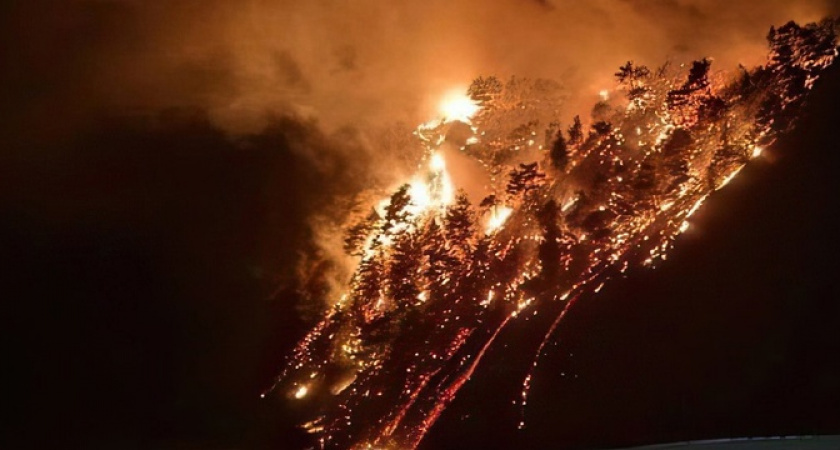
[(526, 385), (489, 299), (729, 178), (438, 279), (444, 400)]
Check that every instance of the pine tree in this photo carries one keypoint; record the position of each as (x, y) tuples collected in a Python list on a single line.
[(438, 263), (396, 212), (634, 79), (357, 234), (525, 179), (559, 154), (798, 54), (644, 179), (488, 202), (549, 249), (694, 96), (698, 75), (576, 133), (674, 153), (601, 128), (550, 133), (367, 287), (403, 269), (810, 48), (459, 226), (485, 90)]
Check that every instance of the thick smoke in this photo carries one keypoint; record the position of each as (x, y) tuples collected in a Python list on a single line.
[(358, 73), (361, 62)]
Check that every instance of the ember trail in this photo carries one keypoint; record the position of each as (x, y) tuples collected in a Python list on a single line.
[(438, 277)]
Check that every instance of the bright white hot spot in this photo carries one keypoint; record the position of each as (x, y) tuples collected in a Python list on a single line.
[(456, 106)]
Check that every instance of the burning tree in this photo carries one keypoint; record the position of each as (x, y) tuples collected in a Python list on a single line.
[(438, 279)]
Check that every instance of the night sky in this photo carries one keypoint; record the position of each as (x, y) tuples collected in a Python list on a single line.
[(147, 267)]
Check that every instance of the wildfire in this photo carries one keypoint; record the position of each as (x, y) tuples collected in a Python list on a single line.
[(434, 288)]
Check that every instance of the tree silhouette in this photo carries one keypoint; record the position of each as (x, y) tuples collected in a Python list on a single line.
[(403, 269), (576, 133), (559, 154), (459, 226), (357, 234)]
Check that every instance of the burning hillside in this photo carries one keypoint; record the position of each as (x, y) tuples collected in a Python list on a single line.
[(439, 277)]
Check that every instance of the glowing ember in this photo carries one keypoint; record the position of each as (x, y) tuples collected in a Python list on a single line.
[(490, 295), (301, 392), (604, 94)]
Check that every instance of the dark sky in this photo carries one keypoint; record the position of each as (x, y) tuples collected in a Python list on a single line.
[(147, 263)]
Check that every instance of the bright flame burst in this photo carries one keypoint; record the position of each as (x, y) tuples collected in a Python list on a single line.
[(498, 216), (433, 188), (456, 106), (435, 286)]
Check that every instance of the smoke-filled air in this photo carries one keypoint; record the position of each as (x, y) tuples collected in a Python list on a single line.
[(542, 209)]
